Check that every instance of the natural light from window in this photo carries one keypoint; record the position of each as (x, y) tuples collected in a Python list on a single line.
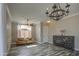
[(24, 31)]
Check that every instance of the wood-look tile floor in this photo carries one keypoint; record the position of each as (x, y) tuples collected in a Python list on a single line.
[(45, 49)]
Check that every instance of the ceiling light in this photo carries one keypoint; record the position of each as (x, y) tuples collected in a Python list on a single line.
[(48, 21), (28, 23), (58, 12)]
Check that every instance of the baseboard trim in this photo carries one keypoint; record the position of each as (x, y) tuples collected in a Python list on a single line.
[(4, 54), (76, 49)]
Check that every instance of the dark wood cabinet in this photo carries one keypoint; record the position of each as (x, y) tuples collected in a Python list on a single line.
[(64, 41)]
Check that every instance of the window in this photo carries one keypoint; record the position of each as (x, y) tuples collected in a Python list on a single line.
[(24, 31)]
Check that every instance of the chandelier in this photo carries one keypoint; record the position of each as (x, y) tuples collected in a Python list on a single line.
[(27, 23), (57, 12)]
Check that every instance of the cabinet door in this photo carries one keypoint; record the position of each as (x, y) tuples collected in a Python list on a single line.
[(69, 43), (58, 40)]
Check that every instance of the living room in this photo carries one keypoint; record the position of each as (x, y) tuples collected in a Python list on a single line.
[(29, 26)]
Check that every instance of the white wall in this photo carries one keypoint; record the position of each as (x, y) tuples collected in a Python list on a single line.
[(48, 29), (38, 32), (70, 25), (45, 33), (14, 32), (3, 30), (8, 24), (34, 32)]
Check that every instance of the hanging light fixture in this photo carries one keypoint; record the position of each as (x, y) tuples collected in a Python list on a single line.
[(28, 24), (57, 12)]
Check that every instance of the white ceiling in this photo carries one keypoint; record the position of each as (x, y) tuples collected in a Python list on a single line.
[(35, 11)]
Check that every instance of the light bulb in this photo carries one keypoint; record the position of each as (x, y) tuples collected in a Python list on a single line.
[(47, 9), (48, 21)]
